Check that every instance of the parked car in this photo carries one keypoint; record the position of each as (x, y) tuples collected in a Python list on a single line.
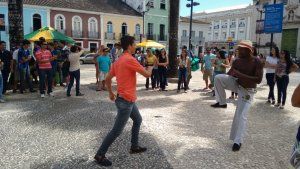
[(88, 58)]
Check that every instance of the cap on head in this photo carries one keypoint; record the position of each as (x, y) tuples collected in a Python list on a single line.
[(246, 44), (106, 50)]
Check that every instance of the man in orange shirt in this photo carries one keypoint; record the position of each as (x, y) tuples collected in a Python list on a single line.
[(124, 69)]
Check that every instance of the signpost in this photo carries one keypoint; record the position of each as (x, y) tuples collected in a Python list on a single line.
[(273, 19), (15, 19)]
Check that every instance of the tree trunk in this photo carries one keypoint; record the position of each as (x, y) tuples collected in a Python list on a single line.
[(15, 21), (173, 37)]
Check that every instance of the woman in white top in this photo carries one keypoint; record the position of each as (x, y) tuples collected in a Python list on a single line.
[(270, 65), (74, 58)]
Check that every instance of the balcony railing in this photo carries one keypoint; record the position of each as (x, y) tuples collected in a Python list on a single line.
[(137, 37), (151, 37), (94, 35), (110, 36), (122, 34), (162, 37), (76, 34), (62, 31)]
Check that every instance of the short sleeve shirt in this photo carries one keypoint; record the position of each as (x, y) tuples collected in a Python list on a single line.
[(207, 61), (23, 53), (125, 69), (104, 63), (271, 60), (44, 55), (6, 58)]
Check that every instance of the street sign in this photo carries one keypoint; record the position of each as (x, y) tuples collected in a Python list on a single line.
[(273, 18)]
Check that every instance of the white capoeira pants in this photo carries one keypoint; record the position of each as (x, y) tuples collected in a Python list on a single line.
[(245, 98)]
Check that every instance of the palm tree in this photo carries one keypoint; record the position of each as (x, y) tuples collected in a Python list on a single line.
[(15, 19), (173, 37)]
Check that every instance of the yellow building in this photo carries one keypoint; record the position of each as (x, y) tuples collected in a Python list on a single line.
[(114, 26)]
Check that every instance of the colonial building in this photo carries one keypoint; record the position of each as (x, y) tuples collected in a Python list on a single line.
[(198, 34), (89, 23), (233, 24), (156, 18)]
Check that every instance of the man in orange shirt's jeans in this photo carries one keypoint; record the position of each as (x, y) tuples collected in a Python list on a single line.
[(124, 69)]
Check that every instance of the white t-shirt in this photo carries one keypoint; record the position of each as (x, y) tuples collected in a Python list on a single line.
[(271, 60), (15, 55), (74, 59)]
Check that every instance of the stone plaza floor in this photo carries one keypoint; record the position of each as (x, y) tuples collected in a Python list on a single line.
[(181, 131)]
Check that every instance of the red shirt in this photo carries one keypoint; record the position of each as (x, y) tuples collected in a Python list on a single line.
[(44, 55), (125, 69)]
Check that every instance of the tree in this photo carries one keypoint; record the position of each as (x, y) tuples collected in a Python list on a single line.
[(173, 37), (15, 19)]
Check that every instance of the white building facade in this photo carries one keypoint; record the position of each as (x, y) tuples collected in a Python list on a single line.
[(231, 25), (198, 34)]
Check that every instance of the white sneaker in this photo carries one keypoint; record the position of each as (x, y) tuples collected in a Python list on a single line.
[(51, 94), (42, 95), (2, 101)]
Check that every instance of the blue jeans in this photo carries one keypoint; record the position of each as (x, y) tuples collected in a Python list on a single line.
[(125, 110), (25, 75), (42, 75), (1, 86), (271, 83), (76, 75), (282, 83), (163, 77), (182, 76)]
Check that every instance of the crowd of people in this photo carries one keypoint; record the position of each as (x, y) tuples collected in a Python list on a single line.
[(59, 64)]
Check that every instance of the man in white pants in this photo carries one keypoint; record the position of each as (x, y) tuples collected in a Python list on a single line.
[(246, 72)]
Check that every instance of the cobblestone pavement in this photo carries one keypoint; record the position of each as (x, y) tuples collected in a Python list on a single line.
[(180, 130)]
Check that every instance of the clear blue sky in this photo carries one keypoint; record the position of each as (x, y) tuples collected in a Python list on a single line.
[(210, 4)]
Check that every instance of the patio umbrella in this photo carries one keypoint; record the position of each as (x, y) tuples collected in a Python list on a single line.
[(150, 44), (49, 34)]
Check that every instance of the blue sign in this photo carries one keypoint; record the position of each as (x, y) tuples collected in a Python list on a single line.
[(273, 18), (231, 43)]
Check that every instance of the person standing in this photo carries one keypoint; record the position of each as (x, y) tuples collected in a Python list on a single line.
[(103, 63), (163, 62), (150, 62), (183, 62), (270, 65), (44, 58), (97, 54), (52, 47), (74, 59), (124, 69), (246, 72), (284, 67), (1, 82), (65, 51), (24, 58), (15, 69), (206, 67), (6, 58), (294, 162)]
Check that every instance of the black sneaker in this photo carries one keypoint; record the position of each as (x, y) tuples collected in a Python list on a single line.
[(273, 102), (137, 150), (217, 105), (236, 147), (79, 94), (68, 95), (269, 102), (102, 160)]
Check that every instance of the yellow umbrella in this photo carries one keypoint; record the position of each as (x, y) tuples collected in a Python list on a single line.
[(150, 44)]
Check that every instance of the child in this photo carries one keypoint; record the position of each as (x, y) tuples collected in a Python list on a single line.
[(103, 63)]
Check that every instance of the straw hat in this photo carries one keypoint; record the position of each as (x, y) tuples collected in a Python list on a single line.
[(246, 44)]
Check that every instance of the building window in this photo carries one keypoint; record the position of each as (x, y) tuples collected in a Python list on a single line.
[(162, 4), (150, 28), (77, 23), (60, 23), (79, 43), (124, 29), (93, 26), (216, 26), (162, 32), (224, 35), (242, 22), (93, 47), (37, 22), (232, 34), (200, 34), (109, 27), (224, 24), (232, 24), (184, 33), (137, 29), (193, 34), (216, 35)]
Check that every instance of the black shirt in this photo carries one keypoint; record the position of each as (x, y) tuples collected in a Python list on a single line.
[(6, 58), (162, 60)]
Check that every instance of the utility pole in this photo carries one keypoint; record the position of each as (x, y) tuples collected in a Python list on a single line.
[(191, 20), (271, 46)]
